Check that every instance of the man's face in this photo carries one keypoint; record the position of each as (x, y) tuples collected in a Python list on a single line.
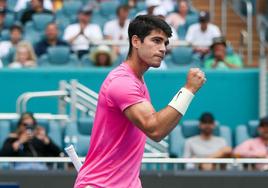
[(2, 4), (2, 18), (15, 35), (123, 14), (51, 32), (219, 51), (183, 8), (84, 18), (153, 48), (204, 25), (36, 4), (263, 131), (207, 128)]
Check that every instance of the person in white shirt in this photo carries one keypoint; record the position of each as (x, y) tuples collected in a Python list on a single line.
[(200, 35), (15, 38), (80, 35), (117, 29), (22, 4), (153, 8)]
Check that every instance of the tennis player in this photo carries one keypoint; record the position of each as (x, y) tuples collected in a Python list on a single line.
[(125, 115)]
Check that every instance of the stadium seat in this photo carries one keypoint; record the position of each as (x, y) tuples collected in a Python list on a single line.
[(4, 131), (108, 9), (176, 142), (245, 132), (86, 61), (9, 20), (69, 10), (191, 19), (35, 29), (5, 34), (181, 56), (11, 4), (79, 133), (58, 56)]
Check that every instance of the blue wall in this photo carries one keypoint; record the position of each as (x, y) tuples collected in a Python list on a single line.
[(231, 95)]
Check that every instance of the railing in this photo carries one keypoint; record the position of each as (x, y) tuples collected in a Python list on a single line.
[(146, 160), (263, 77), (21, 104)]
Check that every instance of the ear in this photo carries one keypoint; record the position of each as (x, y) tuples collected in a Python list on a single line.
[(136, 41)]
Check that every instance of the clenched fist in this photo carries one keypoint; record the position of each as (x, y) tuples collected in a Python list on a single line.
[(195, 79)]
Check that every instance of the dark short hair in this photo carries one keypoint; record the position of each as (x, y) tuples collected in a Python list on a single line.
[(263, 122), (143, 25), (27, 114), (206, 118), (121, 7), (16, 27)]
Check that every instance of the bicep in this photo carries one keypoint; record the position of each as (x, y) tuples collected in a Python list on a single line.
[(139, 114)]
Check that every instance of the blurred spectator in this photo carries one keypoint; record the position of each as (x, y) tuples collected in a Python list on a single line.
[(117, 29), (29, 140), (256, 147), (3, 6), (36, 7), (2, 19), (24, 56), (15, 38), (176, 19), (206, 145), (153, 8), (57, 5), (22, 4), (219, 58), (200, 35), (102, 56), (80, 35), (51, 39)]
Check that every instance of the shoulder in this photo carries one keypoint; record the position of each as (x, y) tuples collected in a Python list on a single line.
[(193, 139), (72, 26)]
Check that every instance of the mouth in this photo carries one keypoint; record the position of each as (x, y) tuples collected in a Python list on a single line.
[(160, 56)]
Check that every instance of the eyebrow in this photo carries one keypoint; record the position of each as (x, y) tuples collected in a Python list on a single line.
[(161, 38)]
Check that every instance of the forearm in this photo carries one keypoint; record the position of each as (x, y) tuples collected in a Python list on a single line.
[(161, 123)]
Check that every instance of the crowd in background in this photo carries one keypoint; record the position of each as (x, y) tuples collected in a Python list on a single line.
[(32, 27)]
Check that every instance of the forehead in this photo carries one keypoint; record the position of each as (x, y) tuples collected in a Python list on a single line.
[(158, 33)]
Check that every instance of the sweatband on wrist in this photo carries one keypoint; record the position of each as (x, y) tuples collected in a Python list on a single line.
[(182, 100)]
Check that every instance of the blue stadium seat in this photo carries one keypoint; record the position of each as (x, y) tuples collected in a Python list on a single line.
[(69, 10), (176, 142), (86, 61), (79, 133), (5, 34), (4, 131), (191, 19), (58, 56), (9, 20), (108, 9), (35, 29), (11, 4), (182, 56), (245, 132)]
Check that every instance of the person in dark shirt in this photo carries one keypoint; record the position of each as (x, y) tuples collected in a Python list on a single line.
[(51, 39), (29, 140), (36, 7)]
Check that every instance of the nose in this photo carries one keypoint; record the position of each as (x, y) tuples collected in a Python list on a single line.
[(163, 48)]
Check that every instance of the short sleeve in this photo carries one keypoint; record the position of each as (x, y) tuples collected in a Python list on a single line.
[(124, 92)]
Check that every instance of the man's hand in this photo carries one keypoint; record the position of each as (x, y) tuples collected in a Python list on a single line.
[(195, 79)]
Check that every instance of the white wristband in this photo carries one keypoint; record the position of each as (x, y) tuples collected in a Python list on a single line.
[(182, 100)]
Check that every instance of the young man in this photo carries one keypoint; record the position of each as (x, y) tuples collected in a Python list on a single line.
[(125, 116)]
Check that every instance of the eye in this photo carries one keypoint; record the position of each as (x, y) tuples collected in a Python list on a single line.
[(157, 40)]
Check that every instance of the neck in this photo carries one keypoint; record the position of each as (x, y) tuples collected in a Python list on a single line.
[(205, 136), (121, 23), (51, 41), (137, 66)]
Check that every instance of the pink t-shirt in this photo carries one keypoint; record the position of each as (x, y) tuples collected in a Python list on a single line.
[(116, 144)]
